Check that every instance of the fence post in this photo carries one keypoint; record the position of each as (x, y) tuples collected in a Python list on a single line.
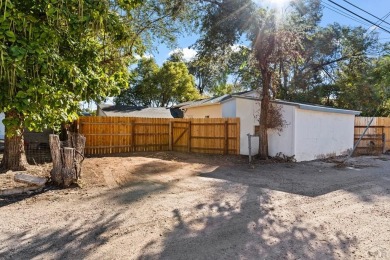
[(383, 143), (133, 136), (226, 144), (170, 136), (189, 136)]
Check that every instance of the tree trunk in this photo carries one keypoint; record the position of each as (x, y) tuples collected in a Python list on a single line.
[(55, 150), (66, 160), (77, 141), (68, 171), (263, 144), (14, 157)]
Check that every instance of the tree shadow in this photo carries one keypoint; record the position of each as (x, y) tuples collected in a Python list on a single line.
[(6, 200), (247, 229), (133, 192), (306, 179), (252, 228), (74, 241), (11, 199)]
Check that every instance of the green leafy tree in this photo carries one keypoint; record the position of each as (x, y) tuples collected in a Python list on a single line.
[(365, 87), (160, 21), (209, 72), (175, 84), (53, 55), (327, 52), (243, 70), (143, 82), (159, 87)]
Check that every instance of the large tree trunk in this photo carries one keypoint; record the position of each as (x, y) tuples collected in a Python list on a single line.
[(14, 157), (263, 144), (67, 158)]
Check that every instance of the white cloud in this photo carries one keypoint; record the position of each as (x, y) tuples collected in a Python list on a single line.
[(188, 54), (146, 55)]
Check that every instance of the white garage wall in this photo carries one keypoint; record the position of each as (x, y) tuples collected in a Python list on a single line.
[(2, 129), (284, 141), (248, 111), (322, 134), (229, 108), (212, 111)]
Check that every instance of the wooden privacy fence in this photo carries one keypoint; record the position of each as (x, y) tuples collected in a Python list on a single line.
[(377, 137), (109, 135)]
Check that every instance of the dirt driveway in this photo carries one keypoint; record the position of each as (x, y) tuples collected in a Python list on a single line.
[(185, 206)]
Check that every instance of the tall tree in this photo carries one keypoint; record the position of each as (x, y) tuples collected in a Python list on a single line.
[(243, 69), (55, 54), (159, 87), (142, 90), (365, 86), (327, 51), (175, 84), (275, 41)]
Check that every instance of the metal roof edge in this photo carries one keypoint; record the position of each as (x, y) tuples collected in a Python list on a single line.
[(329, 109), (299, 105), (318, 108), (245, 97)]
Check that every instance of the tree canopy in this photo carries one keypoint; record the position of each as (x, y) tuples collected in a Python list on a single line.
[(151, 85), (55, 54), (293, 58)]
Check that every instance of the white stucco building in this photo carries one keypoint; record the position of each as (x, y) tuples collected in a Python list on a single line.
[(310, 131)]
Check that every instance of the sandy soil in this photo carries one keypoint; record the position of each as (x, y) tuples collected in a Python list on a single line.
[(186, 206)]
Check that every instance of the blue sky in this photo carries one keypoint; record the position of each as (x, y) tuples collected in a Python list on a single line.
[(379, 8)]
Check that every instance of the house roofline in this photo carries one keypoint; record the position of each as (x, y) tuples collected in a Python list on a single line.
[(200, 105), (318, 108)]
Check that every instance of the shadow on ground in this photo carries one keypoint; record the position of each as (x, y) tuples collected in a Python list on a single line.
[(310, 179), (252, 229), (248, 229), (73, 241)]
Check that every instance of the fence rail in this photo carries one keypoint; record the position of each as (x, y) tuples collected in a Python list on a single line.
[(109, 135), (377, 137)]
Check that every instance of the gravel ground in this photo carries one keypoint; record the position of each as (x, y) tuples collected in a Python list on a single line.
[(186, 206)]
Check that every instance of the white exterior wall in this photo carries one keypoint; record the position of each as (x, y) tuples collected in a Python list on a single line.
[(284, 141), (322, 134), (248, 111), (212, 111), (2, 128), (308, 135), (229, 108)]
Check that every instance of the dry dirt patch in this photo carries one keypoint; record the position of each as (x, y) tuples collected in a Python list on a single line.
[(188, 206)]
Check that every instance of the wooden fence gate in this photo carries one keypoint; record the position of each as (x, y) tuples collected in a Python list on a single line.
[(181, 133), (109, 135)]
